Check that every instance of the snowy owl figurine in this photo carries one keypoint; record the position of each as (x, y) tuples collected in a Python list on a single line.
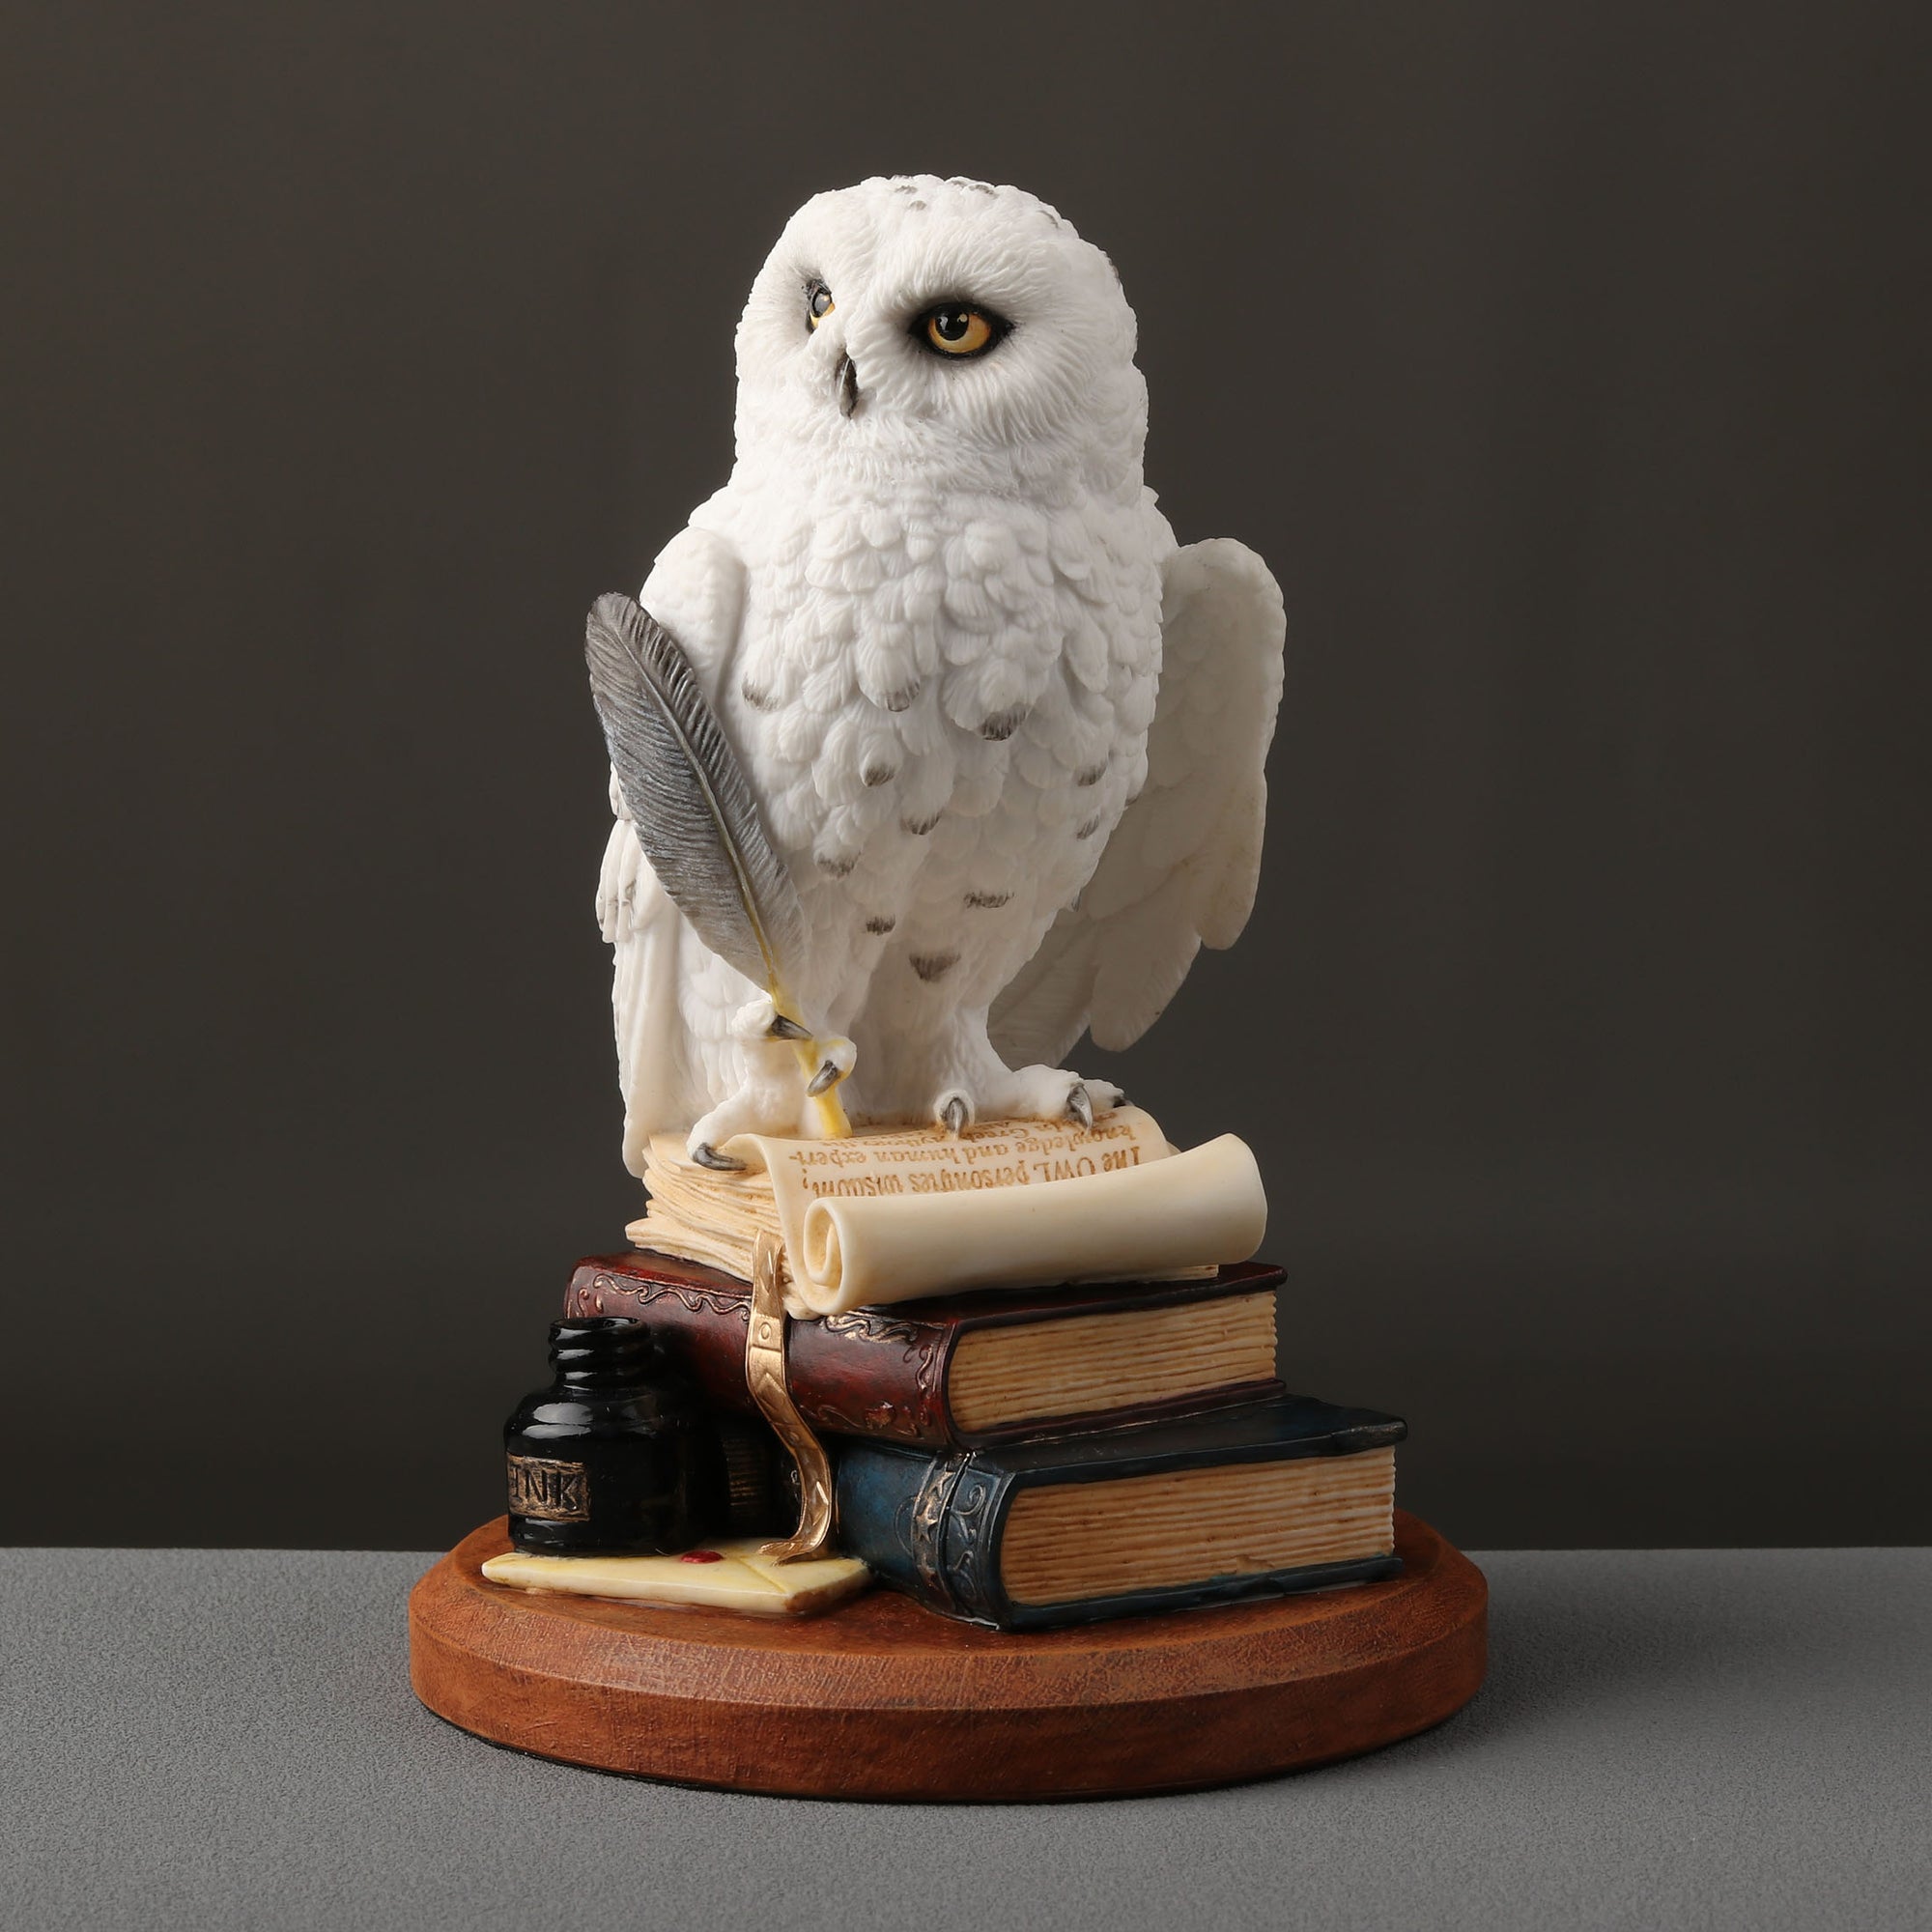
[(931, 748)]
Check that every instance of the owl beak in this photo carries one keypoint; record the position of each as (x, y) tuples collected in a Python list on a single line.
[(848, 386)]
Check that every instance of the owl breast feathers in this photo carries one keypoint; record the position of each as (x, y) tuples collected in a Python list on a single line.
[(1006, 736)]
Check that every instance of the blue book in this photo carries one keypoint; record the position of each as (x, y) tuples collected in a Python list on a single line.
[(1256, 1501)]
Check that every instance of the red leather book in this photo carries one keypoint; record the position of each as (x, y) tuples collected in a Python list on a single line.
[(959, 1370)]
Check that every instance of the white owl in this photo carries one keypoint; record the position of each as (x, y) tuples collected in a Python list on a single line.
[(1006, 735)]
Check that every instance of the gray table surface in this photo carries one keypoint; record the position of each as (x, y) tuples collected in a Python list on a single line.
[(1667, 1738)]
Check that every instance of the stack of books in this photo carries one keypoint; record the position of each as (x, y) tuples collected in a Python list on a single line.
[(1029, 1458)]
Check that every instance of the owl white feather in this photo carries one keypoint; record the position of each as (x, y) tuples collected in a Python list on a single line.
[(1006, 735)]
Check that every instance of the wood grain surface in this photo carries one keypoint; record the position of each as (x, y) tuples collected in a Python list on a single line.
[(881, 1699)]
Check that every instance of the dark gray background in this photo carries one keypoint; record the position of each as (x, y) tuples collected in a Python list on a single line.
[(1568, 364)]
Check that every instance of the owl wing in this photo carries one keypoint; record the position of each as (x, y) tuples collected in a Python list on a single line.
[(696, 590), (1180, 869)]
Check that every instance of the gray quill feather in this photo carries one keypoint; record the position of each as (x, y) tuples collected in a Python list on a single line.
[(688, 796)]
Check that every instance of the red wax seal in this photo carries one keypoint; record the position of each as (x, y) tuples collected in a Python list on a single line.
[(702, 1556)]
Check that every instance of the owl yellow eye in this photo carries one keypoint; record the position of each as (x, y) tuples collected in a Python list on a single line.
[(817, 303), (953, 328)]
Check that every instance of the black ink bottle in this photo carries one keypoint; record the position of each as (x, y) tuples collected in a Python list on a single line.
[(614, 1457)]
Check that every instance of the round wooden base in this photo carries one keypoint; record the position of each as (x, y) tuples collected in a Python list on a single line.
[(882, 1699)]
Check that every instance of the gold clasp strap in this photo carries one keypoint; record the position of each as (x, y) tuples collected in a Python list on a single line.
[(765, 1378)]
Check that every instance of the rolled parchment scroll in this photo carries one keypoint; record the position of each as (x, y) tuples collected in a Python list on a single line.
[(1014, 1205)]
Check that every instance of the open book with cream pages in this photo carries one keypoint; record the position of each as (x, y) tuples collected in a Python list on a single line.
[(895, 1214)]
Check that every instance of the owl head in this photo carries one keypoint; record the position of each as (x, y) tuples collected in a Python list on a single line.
[(940, 330)]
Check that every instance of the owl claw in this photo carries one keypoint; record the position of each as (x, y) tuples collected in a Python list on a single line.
[(957, 1114), (837, 1056), (707, 1155), (1080, 1104), (784, 1028)]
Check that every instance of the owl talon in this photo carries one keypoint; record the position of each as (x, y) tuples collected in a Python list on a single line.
[(957, 1114), (707, 1155), (829, 1074), (1080, 1104), (784, 1028)]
